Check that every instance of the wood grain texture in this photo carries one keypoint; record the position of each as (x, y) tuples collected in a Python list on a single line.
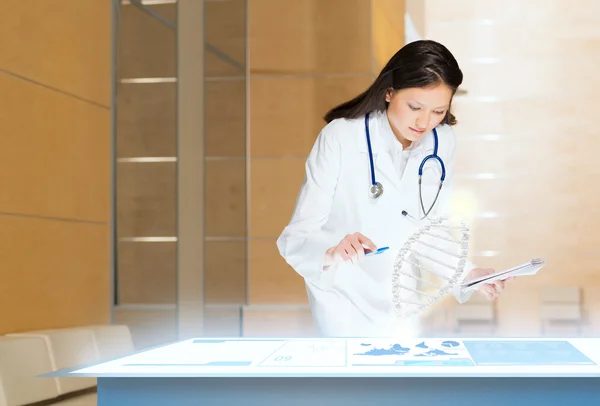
[(54, 274), (54, 154), (55, 164), (64, 44)]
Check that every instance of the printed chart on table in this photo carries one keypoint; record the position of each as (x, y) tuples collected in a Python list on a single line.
[(298, 355), (409, 353)]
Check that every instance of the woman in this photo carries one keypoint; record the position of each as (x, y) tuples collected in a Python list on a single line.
[(337, 218)]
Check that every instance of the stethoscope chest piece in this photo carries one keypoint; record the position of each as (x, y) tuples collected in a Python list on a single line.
[(376, 190)]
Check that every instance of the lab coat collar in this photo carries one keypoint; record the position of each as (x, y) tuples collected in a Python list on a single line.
[(383, 140), (381, 134)]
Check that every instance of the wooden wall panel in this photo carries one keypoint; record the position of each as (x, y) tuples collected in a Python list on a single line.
[(225, 30), (54, 154), (146, 199), (147, 272), (225, 115), (55, 164), (147, 47), (300, 100), (313, 36), (270, 279), (54, 274), (275, 186), (387, 30), (64, 44), (225, 272), (146, 120), (226, 198)]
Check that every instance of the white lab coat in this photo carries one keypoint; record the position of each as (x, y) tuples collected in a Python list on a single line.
[(354, 300)]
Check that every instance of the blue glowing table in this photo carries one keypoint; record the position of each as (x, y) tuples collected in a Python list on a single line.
[(348, 372)]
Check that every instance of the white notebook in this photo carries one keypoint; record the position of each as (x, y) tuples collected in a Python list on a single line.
[(527, 268)]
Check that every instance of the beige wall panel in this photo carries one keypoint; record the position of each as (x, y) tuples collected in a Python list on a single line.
[(146, 120), (149, 328), (416, 10), (225, 198), (54, 274), (271, 279), (387, 30), (477, 117), (310, 36), (529, 77), (225, 272), (55, 157), (544, 118), (64, 46), (504, 40), (146, 198), (267, 322), (279, 102), (532, 12), (533, 195), (560, 266), (147, 47), (275, 184), (147, 272), (556, 116), (225, 133), (533, 236), (511, 154), (226, 30)]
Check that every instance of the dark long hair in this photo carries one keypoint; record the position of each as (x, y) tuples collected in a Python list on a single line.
[(418, 64)]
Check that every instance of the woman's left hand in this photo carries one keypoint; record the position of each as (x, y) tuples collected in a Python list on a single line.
[(492, 290)]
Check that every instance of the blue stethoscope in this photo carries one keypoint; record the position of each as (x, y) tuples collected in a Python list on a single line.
[(376, 188)]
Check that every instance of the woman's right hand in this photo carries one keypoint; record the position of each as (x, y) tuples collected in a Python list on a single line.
[(350, 249)]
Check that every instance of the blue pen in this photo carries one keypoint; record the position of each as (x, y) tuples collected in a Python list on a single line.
[(379, 251)]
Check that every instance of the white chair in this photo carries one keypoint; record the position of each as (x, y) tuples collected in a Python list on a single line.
[(68, 348), (560, 310), (477, 317), (22, 360)]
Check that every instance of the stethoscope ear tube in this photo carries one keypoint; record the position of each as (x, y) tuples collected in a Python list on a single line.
[(436, 157)]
